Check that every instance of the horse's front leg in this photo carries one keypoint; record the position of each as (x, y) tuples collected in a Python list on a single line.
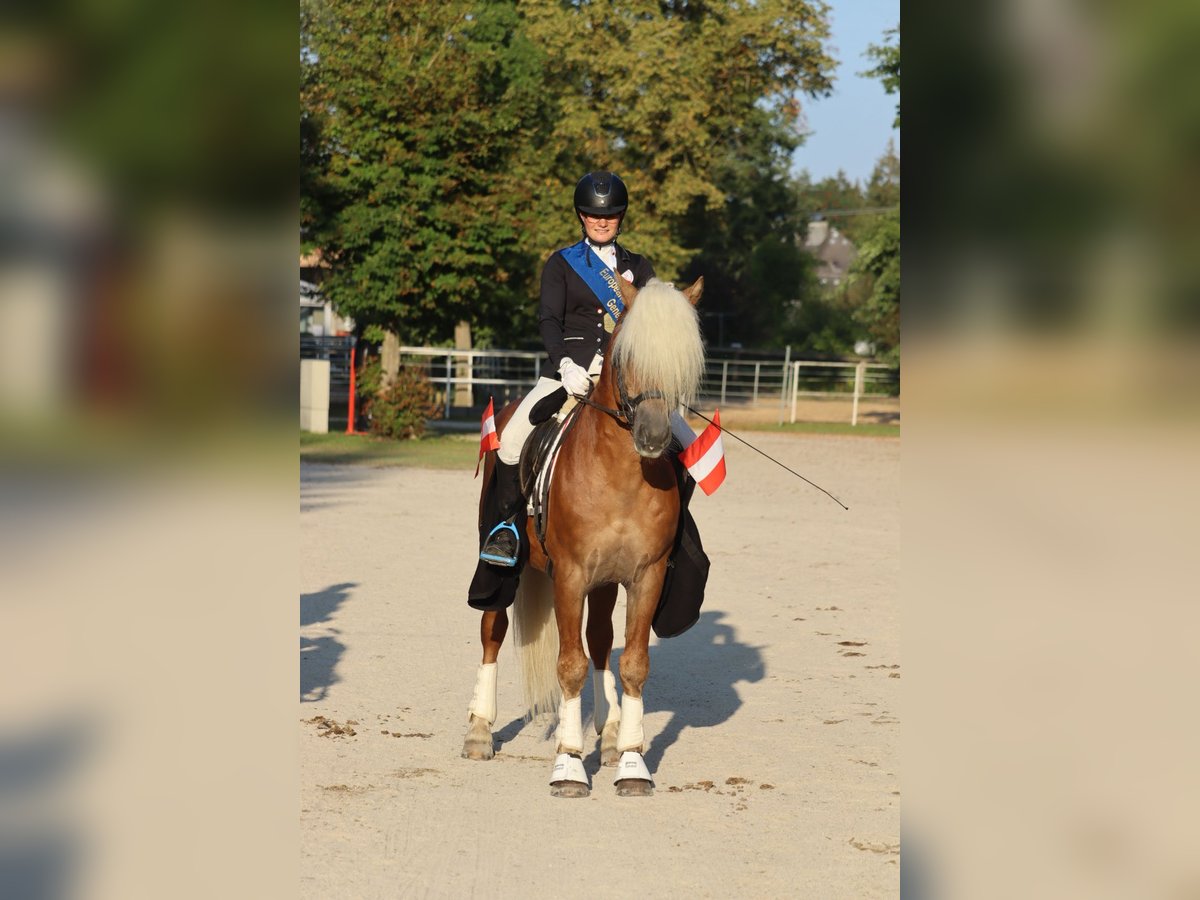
[(607, 717), (633, 778), (493, 626), (569, 778)]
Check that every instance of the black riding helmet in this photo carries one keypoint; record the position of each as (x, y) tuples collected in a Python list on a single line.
[(601, 194)]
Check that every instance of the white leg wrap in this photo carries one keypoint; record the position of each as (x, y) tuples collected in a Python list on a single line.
[(483, 701), (570, 726), (630, 736), (608, 709)]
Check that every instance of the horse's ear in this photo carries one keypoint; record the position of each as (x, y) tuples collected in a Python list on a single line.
[(628, 291), (693, 293)]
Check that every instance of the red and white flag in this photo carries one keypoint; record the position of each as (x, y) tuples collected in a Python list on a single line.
[(705, 457), (488, 440)]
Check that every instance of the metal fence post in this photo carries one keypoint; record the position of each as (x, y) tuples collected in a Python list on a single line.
[(754, 398), (858, 385), (724, 379), (783, 377), (795, 387)]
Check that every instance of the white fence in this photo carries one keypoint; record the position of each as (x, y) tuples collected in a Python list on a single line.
[(769, 384)]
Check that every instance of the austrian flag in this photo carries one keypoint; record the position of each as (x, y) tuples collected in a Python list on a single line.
[(705, 457), (487, 435)]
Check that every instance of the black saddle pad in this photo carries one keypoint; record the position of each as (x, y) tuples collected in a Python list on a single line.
[(687, 572)]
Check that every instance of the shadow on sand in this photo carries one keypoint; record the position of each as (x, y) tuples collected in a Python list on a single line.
[(319, 656), (692, 676)]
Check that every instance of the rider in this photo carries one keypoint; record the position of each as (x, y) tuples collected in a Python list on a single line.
[(575, 329)]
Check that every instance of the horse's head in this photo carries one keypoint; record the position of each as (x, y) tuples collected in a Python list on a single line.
[(658, 359)]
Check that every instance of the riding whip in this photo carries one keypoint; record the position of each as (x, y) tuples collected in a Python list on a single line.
[(725, 430)]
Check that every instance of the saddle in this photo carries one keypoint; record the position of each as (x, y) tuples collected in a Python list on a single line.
[(494, 588)]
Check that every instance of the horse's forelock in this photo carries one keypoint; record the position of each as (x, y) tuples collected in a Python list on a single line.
[(659, 345)]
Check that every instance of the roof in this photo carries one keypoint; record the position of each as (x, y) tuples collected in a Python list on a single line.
[(833, 251)]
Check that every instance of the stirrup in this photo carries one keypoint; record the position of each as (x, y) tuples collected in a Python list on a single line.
[(496, 558)]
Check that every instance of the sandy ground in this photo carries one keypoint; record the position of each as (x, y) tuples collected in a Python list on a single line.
[(773, 723)]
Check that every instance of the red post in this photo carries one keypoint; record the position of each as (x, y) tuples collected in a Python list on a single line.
[(350, 405)]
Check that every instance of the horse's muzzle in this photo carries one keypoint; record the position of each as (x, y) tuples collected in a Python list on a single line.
[(651, 435)]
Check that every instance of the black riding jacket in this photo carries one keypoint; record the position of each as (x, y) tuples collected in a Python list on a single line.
[(571, 318)]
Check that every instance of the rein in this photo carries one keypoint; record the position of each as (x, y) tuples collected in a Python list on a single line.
[(616, 414)]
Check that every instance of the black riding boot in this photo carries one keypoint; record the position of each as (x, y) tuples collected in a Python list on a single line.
[(503, 543)]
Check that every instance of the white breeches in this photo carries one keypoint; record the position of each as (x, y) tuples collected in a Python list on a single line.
[(517, 430)]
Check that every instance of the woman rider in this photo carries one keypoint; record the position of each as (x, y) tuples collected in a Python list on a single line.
[(575, 328)]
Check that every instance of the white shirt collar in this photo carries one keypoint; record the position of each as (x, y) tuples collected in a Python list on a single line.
[(607, 253)]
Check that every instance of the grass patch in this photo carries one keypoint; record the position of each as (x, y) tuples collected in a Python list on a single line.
[(442, 451), (870, 429)]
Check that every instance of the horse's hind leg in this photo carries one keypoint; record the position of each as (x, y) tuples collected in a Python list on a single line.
[(607, 717), (478, 743), (569, 778)]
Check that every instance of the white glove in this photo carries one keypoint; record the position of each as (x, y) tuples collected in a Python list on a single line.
[(574, 376)]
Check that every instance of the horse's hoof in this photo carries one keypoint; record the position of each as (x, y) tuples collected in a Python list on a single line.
[(478, 743), (569, 789), (633, 778), (568, 778), (634, 787), (474, 750)]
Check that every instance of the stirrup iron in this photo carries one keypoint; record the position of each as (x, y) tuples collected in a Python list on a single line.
[(496, 558)]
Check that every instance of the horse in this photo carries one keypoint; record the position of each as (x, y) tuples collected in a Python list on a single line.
[(612, 515)]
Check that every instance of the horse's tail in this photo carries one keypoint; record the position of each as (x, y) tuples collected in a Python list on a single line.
[(536, 632)]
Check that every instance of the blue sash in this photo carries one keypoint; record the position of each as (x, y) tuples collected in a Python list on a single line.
[(599, 277)]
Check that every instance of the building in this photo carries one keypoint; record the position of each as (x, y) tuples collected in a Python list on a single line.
[(833, 251), (317, 315)]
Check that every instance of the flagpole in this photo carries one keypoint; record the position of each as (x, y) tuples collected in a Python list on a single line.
[(725, 430)]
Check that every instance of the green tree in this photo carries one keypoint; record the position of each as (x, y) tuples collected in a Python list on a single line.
[(883, 187), (887, 66), (420, 123), (672, 93), (442, 140), (876, 271)]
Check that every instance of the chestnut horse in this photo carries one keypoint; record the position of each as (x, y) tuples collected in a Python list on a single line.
[(612, 517)]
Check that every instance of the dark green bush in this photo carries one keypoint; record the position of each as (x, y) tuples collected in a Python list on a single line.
[(402, 409)]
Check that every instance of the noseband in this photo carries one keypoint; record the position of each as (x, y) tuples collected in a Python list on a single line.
[(627, 406)]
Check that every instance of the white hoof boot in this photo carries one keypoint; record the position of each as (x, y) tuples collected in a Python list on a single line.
[(569, 779), (633, 778)]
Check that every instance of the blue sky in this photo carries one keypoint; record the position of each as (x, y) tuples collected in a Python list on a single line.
[(850, 129)]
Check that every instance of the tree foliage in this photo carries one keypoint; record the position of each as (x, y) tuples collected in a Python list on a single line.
[(421, 123), (878, 264), (887, 66), (877, 267), (441, 140)]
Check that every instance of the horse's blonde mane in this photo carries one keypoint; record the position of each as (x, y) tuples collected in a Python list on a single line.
[(659, 347)]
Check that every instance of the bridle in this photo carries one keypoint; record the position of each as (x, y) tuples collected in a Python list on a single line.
[(626, 405)]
